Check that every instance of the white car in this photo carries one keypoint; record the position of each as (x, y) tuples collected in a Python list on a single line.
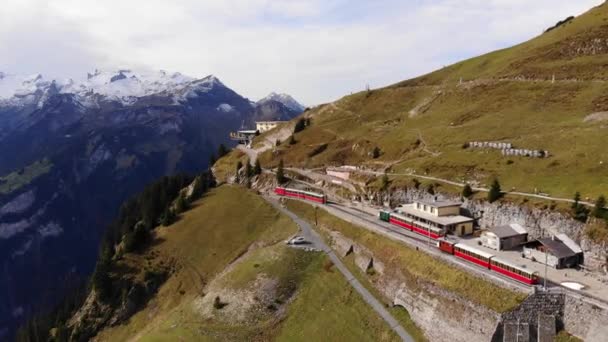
[(298, 240)]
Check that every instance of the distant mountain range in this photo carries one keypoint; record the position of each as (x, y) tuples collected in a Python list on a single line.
[(72, 151)]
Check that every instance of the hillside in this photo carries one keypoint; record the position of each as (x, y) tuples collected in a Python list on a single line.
[(423, 125), (230, 246)]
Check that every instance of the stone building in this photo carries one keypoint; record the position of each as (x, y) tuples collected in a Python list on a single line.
[(558, 251), (504, 237)]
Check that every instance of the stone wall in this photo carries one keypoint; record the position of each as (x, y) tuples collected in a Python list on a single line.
[(585, 320)]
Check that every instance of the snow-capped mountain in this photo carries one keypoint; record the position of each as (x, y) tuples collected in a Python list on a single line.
[(122, 85), (285, 99)]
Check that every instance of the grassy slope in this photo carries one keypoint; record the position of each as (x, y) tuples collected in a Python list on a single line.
[(15, 180), (532, 115), (418, 266), (218, 231)]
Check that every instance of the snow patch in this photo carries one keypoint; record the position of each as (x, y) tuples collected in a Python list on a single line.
[(50, 230), (19, 204), (224, 107), (8, 230)]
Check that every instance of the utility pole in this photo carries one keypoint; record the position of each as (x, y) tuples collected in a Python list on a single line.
[(546, 262), (429, 234)]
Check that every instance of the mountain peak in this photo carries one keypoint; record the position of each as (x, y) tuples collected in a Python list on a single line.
[(285, 99)]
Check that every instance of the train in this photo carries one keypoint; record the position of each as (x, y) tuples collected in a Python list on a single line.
[(301, 194), (404, 222), (458, 250), (464, 252)]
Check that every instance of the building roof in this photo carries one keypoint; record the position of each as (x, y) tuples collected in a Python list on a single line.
[(557, 248), (441, 204), (568, 242), (247, 131), (443, 220), (508, 230)]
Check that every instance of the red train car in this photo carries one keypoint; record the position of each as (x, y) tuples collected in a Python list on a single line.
[(398, 220), (301, 194), (512, 271), (446, 246), (473, 255)]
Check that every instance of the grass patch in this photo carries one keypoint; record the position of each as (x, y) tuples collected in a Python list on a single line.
[(225, 167), (17, 179), (563, 336), (327, 308), (416, 265)]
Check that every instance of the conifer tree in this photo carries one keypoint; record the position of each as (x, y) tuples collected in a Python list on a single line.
[(280, 173), (467, 191), (495, 192), (257, 169)]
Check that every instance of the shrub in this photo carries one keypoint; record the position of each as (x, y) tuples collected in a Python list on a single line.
[(212, 159), (217, 303), (416, 183), (300, 125), (466, 145), (292, 140), (137, 238), (257, 169), (181, 204), (510, 162), (376, 152), (600, 204), (430, 189), (495, 192), (248, 169), (222, 151), (168, 217), (319, 149), (385, 182), (277, 142), (467, 191), (280, 173)]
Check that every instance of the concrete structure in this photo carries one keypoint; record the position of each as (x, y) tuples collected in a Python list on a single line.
[(504, 237), (264, 126), (339, 172), (558, 251), (438, 214)]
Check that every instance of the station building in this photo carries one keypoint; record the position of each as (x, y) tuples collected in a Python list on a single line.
[(444, 215)]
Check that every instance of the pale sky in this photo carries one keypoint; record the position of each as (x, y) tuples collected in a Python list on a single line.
[(315, 50)]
